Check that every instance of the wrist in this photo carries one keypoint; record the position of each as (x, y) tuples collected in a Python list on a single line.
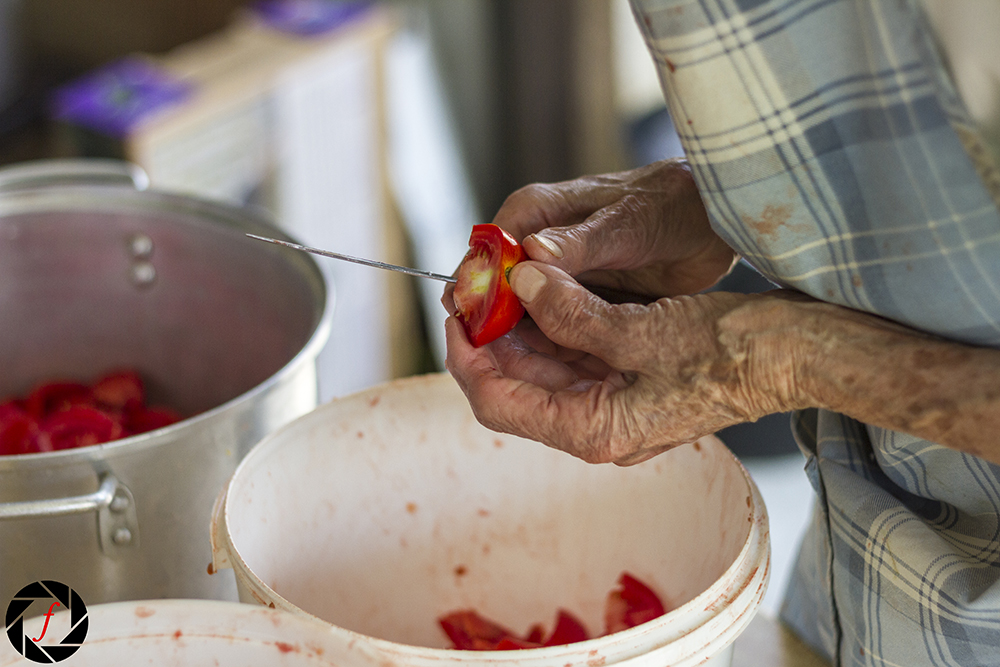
[(770, 337)]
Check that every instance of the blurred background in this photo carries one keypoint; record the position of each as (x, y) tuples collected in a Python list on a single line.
[(383, 130)]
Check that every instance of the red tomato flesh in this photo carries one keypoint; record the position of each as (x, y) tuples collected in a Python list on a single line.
[(487, 307), (632, 604), (66, 414)]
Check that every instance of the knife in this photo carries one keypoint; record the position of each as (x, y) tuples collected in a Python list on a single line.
[(609, 294), (359, 260)]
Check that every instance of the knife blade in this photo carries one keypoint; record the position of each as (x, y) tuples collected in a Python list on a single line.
[(358, 260)]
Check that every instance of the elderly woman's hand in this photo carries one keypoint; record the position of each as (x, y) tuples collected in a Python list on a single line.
[(643, 231), (622, 383), (609, 382)]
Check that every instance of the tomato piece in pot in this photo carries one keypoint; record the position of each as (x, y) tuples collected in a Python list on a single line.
[(487, 306), (141, 420), (19, 431), (120, 390), (51, 397), (80, 426)]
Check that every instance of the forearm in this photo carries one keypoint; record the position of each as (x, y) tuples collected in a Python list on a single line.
[(802, 354)]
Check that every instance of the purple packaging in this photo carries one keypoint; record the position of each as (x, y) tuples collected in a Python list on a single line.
[(308, 17), (117, 98)]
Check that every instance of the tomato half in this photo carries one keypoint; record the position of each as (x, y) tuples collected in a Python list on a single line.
[(487, 306)]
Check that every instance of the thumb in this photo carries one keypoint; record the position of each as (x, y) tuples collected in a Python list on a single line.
[(569, 314)]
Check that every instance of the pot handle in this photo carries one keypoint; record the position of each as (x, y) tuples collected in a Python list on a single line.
[(117, 521), (74, 171)]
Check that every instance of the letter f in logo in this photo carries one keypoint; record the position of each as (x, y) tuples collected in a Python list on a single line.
[(45, 627)]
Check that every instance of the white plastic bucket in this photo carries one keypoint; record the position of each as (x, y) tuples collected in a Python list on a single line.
[(197, 633), (381, 511)]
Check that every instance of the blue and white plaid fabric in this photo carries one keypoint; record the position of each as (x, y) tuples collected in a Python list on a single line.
[(833, 152)]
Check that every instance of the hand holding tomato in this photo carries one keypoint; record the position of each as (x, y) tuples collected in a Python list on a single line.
[(623, 382), (643, 231)]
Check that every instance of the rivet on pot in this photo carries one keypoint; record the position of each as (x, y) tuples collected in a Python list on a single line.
[(141, 246), (143, 274), (119, 504), (122, 536)]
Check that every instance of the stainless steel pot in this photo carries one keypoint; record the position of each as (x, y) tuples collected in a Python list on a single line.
[(97, 273)]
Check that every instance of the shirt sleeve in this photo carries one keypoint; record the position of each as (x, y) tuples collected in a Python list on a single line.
[(834, 154)]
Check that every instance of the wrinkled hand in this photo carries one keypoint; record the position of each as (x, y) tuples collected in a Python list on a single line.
[(613, 382), (621, 383), (643, 231)]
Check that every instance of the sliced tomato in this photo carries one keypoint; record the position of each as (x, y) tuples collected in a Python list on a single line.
[(119, 390), (80, 426), (515, 644), (140, 419), (536, 634), (470, 631), (19, 431), (568, 630), (487, 306), (632, 604), (50, 397)]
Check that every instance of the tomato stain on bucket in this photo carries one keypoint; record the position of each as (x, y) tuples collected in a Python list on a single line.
[(411, 507), (461, 571), (284, 647), (178, 634), (144, 612), (210, 569)]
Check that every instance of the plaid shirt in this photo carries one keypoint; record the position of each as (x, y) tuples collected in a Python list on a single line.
[(833, 152)]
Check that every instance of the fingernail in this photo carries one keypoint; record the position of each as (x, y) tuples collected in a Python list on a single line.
[(527, 282), (551, 246)]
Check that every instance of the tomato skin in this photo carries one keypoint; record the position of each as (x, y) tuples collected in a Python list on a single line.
[(487, 306)]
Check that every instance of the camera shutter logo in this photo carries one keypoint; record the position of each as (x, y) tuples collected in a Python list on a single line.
[(55, 597)]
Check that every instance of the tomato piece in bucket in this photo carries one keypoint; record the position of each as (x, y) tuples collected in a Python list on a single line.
[(470, 631), (487, 306), (632, 604), (568, 630)]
